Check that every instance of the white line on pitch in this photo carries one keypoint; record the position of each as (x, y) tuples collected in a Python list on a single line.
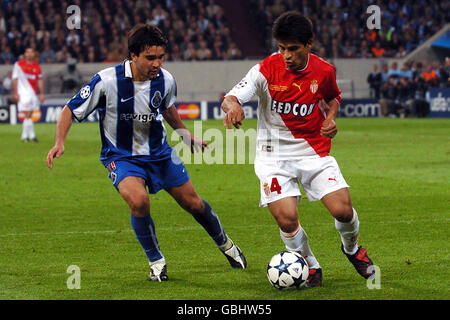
[(193, 227)]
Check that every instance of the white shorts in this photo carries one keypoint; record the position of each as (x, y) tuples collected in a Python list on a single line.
[(280, 179), (28, 103)]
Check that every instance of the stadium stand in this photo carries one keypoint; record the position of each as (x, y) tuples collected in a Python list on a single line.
[(197, 30), (340, 25), (221, 38)]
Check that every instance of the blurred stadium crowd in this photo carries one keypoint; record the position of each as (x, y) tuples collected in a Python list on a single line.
[(402, 92), (340, 25), (199, 29), (196, 30)]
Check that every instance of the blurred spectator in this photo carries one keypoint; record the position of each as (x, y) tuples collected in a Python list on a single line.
[(233, 52), (388, 97), (5, 87), (212, 9), (6, 56), (374, 79), (444, 73), (62, 55), (394, 71), (189, 53), (203, 53), (48, 55), (217, 52), (404, 99), (71, 77), (420, 107), (175, 54), (384, 72), (377, 50), (429, 75)]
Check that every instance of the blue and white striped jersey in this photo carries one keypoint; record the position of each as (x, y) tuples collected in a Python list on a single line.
[(131, 123)]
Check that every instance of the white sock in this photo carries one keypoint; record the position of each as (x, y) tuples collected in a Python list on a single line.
[(227, 245), (31, 133), (24, 130), (349, 232), (298, 241)]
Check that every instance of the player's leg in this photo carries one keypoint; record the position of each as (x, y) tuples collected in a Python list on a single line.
[(346, 221), (26, 125), (34, 105), (188, 198), (285, 212), (280, 192), (133, 191), (340, 206)]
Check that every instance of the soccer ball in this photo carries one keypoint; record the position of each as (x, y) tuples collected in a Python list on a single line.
[(287, 270)]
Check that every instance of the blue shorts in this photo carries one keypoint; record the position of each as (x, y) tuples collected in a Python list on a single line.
[(157, 174)]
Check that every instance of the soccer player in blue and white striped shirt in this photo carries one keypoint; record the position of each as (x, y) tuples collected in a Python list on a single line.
[(132, 99)]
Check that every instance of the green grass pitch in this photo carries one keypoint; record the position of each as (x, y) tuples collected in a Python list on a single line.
[(398, 170)]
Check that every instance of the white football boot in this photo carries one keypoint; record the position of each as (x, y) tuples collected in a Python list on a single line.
[(158, 271), (235, 256)]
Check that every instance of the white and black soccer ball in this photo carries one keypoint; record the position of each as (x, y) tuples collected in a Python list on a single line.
[(287, 269)]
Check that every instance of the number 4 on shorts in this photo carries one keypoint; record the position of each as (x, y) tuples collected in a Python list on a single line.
[(275, 186)]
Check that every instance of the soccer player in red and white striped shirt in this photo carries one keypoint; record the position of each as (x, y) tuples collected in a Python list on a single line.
[(298, 104), (27, 81)]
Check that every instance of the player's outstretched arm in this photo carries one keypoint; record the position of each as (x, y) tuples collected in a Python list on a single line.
[(62, 129), (173, 119), (234, 113)]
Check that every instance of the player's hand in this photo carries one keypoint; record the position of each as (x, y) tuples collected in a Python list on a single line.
[(41, 98), (55, 152), (329, 128), (234, 117), (17, 97), (198, 145)]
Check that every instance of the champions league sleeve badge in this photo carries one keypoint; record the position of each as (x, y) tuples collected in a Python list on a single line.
[(85, 92)]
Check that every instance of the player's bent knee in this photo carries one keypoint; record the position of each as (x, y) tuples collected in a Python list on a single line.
[(139, 205), (194, 205), (287, 224), (343, 213)]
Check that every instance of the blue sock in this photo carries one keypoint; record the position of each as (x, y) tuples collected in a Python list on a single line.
[(144, 230), (210, 222)]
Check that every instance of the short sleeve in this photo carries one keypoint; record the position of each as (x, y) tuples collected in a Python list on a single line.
[(171, 94), (248, 86), (86, 100), (15, 73), (331, 88)]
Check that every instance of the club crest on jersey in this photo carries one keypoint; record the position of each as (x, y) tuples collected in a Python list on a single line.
[(157, 99), (266, 189), (314, 86)]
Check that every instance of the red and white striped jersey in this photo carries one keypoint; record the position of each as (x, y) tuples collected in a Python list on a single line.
[(27, 75), (289, 109)]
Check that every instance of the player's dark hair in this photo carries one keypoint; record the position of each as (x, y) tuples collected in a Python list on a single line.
[(292, 26), (143, 36)]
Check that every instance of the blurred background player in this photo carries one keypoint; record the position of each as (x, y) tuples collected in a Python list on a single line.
[(27, 80), (294, 140), (133, 98)]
